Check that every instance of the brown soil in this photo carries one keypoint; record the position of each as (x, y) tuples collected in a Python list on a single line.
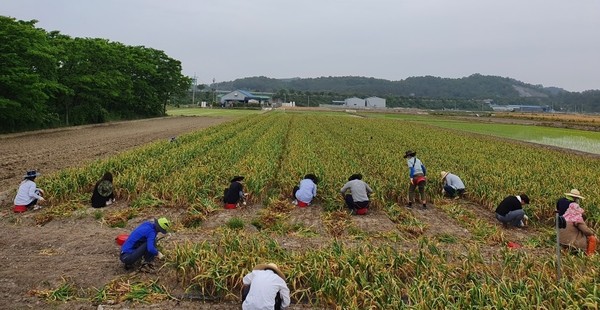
[(81, 248)]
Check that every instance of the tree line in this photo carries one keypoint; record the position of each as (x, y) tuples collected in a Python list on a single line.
[(48, 79)]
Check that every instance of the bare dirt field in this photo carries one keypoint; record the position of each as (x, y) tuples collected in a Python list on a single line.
[(81, 248)]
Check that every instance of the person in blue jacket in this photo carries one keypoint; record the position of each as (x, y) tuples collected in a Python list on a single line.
[(142, 243)]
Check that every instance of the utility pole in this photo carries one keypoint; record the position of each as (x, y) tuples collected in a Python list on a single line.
[(215, 86), (194, 90)]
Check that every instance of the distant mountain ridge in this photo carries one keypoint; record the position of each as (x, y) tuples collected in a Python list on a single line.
[(475, 86)]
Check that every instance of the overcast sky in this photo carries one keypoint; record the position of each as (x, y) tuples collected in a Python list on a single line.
[(548, 42)]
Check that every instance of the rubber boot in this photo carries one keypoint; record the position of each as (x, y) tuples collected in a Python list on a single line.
[(591, 245)]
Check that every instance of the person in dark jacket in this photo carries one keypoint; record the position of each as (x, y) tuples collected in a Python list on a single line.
[(141, 243), (234, 193), (510, 211), (358, 199), (563, 203), (103, 194)]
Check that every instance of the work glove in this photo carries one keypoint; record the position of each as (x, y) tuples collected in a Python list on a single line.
[(160, 255)]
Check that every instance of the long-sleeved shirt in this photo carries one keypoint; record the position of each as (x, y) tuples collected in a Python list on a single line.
[(510, 203), (144, 232), (454, 181), (234, 193), (264, 286), (27, 193), (308, 190), (415, 166), (359, 190)]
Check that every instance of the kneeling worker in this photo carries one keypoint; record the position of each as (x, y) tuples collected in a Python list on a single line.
[(358, 200), (142, 243), (453, 185)]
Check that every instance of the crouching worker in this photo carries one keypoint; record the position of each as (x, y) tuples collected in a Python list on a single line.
[(307, 190), (265, 288), (28, 194), (141, 243), (234, 193), (577, 234), (358, 200), (510, 211), (453, 185), (103, 194)]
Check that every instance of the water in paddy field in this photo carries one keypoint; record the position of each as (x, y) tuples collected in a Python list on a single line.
[(574, 143)]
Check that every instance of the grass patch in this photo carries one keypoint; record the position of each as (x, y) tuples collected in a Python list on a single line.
[(235, 223)]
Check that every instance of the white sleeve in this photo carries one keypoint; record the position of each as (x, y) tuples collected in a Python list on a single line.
[(284, 291), (248, 278), (31, 192)]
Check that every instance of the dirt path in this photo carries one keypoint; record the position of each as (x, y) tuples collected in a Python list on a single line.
[(52, 150)]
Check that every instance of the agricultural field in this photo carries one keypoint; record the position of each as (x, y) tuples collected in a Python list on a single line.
[(569, 138), (451, 255)]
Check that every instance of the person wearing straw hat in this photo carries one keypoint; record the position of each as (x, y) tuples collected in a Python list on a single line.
[(265, 288), (358, 199), (418, 178), (510, 211), (307, 190), (28, 194), (234, 193), (563, 203), (141, 243), (453, 185), (577, 234)]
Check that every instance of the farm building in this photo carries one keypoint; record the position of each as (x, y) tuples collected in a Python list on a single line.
[(375, 102), (242, 96), (354, 102)]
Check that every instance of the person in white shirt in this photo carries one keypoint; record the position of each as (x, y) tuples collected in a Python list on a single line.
[(265, 289), (28, 193), (453, 185), (307, 190)]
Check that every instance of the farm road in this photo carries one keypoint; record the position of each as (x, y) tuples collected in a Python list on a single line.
[(56, 149)]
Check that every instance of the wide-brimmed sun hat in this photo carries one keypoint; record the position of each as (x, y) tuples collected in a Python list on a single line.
[(574, 193), (237, 178), (443, 174), (409, 153), (270, 266), (31, 174)]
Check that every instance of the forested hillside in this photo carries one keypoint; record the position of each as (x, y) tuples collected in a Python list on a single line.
[(48, 79)]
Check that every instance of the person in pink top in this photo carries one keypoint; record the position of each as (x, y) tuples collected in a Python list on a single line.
[(577, 234)]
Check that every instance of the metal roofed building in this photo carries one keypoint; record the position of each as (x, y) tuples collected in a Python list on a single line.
[(243, 96)]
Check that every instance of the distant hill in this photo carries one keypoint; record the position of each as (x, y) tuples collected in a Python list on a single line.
[(501, 90), (476, 86)]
